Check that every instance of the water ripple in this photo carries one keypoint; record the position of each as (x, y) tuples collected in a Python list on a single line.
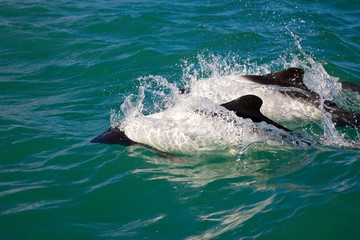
[(40, 205)]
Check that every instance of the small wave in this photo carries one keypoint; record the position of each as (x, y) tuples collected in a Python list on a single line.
[(45, 204)]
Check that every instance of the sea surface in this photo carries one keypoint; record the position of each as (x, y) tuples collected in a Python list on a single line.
[(70, 69)]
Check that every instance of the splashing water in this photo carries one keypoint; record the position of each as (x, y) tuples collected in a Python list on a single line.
[(328, 88), (160, 117)]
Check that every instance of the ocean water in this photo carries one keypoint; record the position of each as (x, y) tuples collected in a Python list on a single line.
[(70, 69)]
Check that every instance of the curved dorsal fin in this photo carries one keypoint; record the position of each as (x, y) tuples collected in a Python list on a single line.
[(248, 106), (290, 77)]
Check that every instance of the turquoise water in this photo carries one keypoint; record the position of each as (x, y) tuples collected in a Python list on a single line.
[(66, 68)]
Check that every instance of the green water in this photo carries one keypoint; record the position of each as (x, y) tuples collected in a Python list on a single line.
[(66, 65)]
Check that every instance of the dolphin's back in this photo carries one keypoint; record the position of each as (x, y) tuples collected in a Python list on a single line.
[(290, 77)]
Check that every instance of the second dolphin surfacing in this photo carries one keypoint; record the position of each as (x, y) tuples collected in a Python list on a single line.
[(181, 131)]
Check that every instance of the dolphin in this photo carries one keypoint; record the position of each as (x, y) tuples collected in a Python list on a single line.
[(293, 78), (289, 82), (247, 106)]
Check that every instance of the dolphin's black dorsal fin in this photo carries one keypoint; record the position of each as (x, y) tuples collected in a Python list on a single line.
[(113, 136), (248, 106), (290, 77)]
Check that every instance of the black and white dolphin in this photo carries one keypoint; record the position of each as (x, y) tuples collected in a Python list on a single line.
[(247, 106), (293, 78)]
